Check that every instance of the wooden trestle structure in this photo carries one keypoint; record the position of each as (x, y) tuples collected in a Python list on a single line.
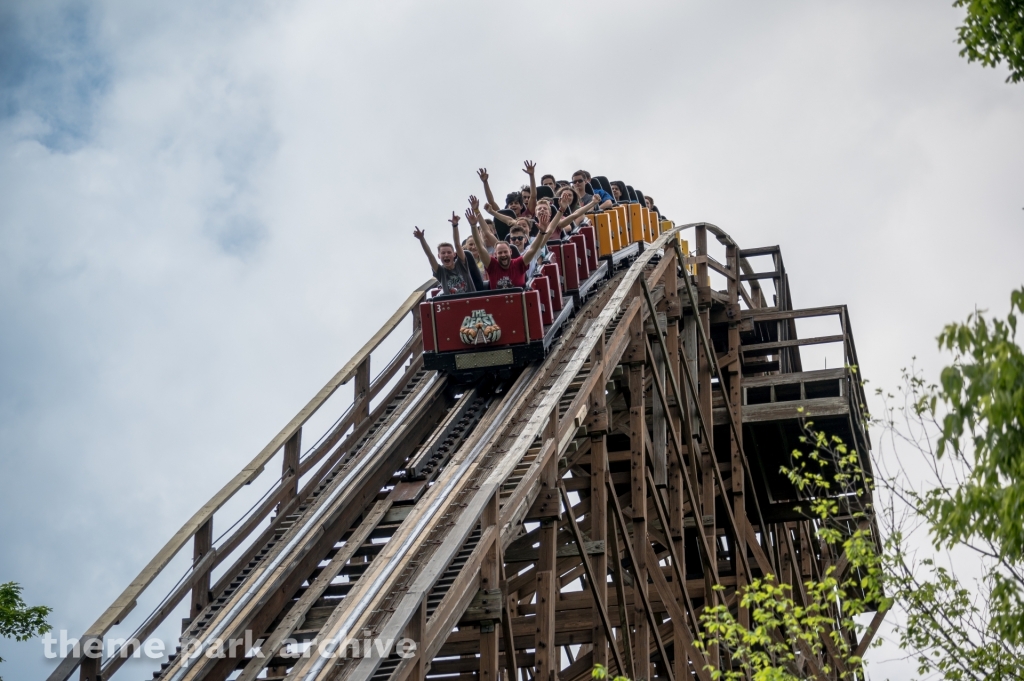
[(581, 514)]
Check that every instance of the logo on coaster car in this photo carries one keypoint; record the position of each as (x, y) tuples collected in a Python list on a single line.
[(479, 329)]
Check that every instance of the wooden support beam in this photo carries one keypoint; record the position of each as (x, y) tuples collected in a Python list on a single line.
[(733, 376), (361, 396), (90, 661), (490, 579), (599, 532), (685, 623), (620, 593), (593, 579), (547, 660), (685, 648), (507, 636), (640, 589), (765, 348), (202, 543), (638, 485), (417, 631), (290, 468), (869, 633)]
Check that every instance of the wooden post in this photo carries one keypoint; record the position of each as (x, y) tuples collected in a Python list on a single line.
[(511, 666), (704, 369), (89, 670), (638, 502), (733, 376), (620, 597), (489, 579), (681, 634), (548, 657), (417, 630), (361, 393), (659, 437), (599, 530), (290, 467), (202, 542)]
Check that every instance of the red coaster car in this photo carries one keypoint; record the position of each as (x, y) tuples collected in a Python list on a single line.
[(483, 330)]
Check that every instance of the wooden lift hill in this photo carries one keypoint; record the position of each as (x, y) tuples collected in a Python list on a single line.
[(581, 512)]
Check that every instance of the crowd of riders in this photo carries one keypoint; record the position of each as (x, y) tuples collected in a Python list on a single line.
[(503, 250)]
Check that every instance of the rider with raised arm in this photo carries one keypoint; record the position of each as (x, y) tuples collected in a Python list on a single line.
[(503, 270), (455, 272), (530, 199)]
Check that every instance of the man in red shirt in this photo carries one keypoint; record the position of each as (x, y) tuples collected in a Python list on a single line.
[(504, 271)]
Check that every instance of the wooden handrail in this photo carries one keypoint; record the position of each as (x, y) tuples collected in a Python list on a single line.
[(127, 601)]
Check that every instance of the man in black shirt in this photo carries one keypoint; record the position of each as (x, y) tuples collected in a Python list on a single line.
[(456, 269)]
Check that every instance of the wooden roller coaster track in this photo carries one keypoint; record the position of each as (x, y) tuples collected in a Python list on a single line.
[(583, 513)]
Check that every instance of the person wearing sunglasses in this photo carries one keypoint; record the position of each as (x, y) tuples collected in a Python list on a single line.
[(519, 240), (580, 182)]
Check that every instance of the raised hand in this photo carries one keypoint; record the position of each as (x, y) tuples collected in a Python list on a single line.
[(482, 173), (530, 167), (454, 220), (419, 233), (474, 203), (564, 200), (471, 217)]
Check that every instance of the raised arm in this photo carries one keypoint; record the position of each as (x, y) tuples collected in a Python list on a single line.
[(461, 254), (572, 217), (539, 242), (498, 216), (422, 236), (481, 247), (530, 169), (482, 173), (486, 231)]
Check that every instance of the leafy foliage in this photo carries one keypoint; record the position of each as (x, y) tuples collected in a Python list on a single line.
[(993, 31), (600, 672), (17, 620), (965, 489), (789, 629)]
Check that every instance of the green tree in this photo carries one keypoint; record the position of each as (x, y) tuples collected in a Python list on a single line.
[(993, 32), (959, 448), (17, 620)]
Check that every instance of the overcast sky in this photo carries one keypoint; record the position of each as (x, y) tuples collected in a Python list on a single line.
[(206, 208)]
